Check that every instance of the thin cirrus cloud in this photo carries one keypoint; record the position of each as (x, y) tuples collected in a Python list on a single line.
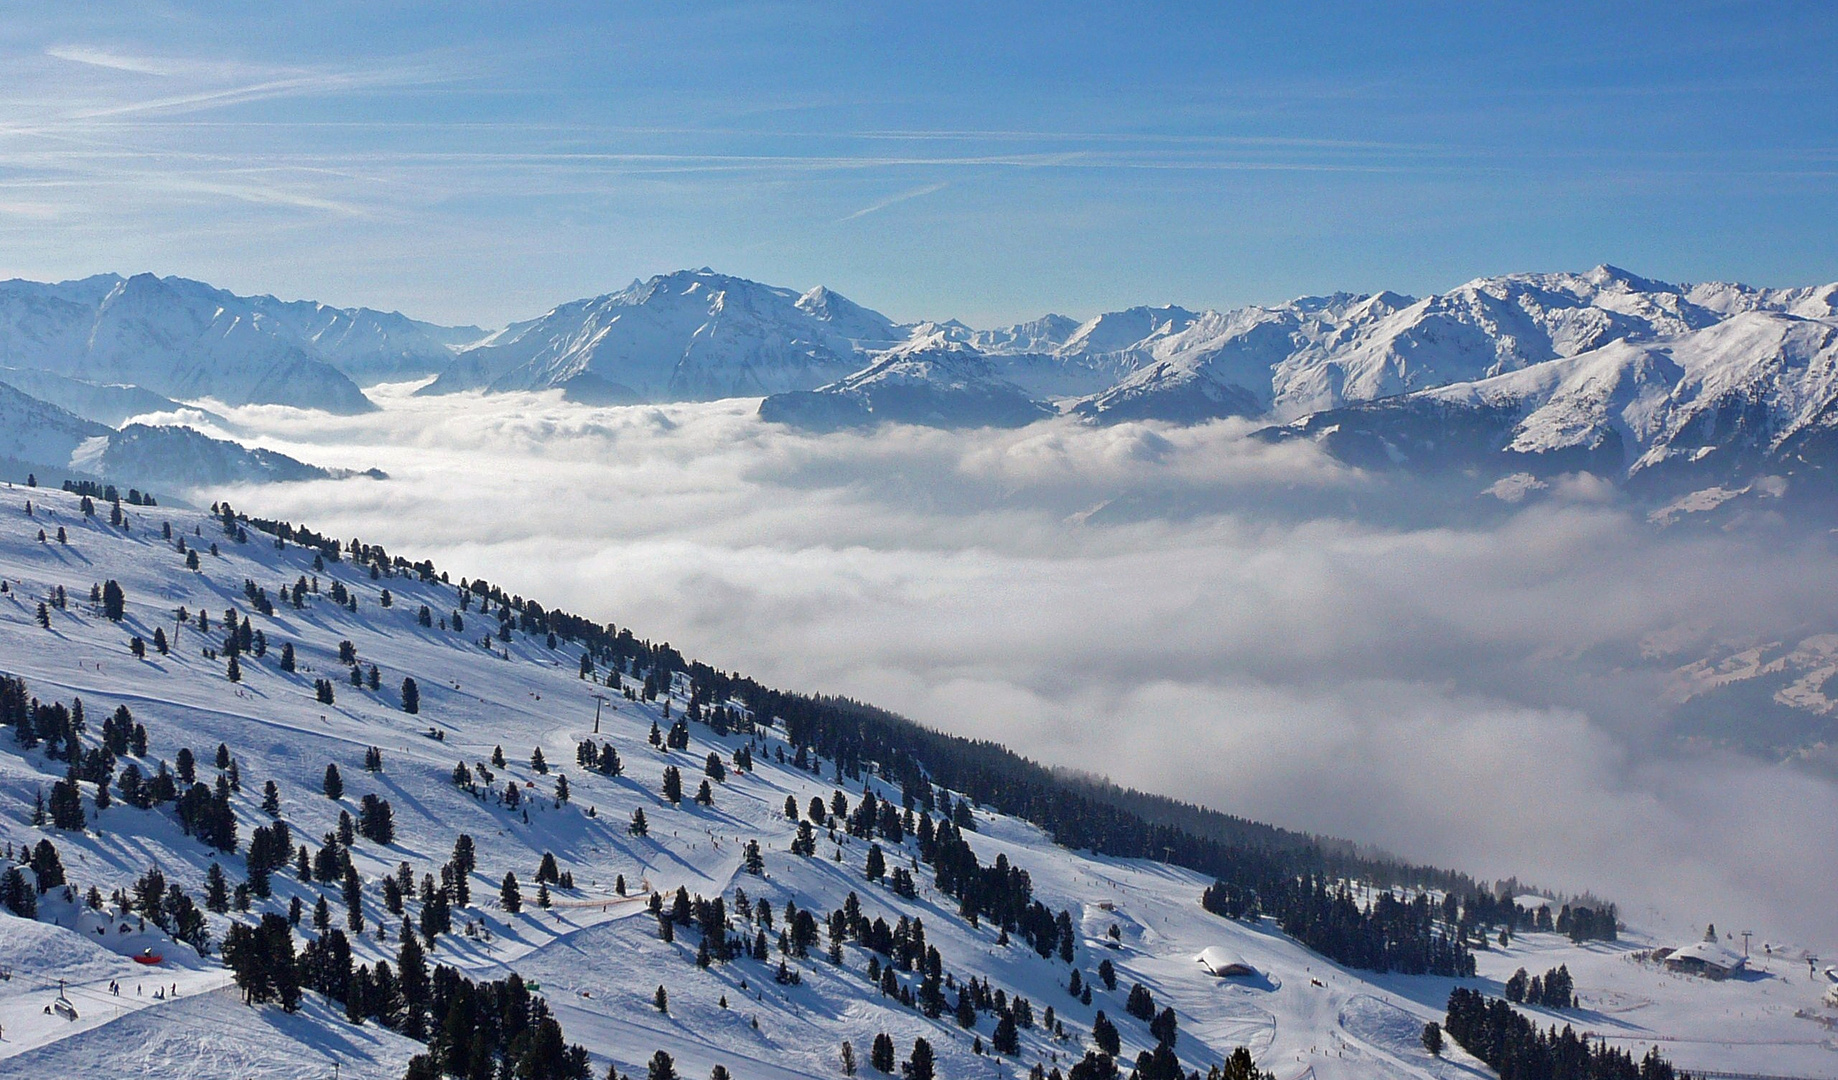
[(894, 200), (1207, 156)]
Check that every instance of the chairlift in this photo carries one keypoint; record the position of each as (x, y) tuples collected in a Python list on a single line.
[(62, 1005)]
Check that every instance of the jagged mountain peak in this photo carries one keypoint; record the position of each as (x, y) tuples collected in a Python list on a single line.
[(686, 335), (930, 379)]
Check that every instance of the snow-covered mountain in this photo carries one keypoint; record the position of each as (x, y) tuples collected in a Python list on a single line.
[(171, 336), (177, 457), (1058, 357), (1392, 345), (38, 433), (1754, 393), (1043, 335), (1319, 353), (185, 339), (1557, 368), (691, 335), (104, 403), (1170, 390), (314, 725), (367, 345), (42, 439), (930, 380)]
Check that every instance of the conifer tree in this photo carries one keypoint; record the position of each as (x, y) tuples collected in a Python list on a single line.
[(412, 982), (354, 900), (67, 804), (662, 1066), (464, 859), (216, 890), (411, 696), (919, 1066), (1006, 1039), (1104, 1035), (510, 898), (334, 785)]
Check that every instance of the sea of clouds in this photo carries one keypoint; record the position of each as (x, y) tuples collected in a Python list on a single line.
[(1188, 611)]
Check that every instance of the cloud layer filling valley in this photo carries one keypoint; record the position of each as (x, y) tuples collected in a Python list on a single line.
[(1250, 627)]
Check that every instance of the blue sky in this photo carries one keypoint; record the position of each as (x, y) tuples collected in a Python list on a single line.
[(987, 162)]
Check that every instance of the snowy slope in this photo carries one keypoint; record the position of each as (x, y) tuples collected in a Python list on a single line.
[(180, 338), (1046, 334), (181, 458), (37, 433), (1320, 353), (598, 960), (1483, 328), (105, 404), (691, 335), (367, 345), (1751, 394), (931, 381), (40, 438)]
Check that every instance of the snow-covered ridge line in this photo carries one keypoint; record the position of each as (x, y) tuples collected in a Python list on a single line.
[(49, 444), (703, 335)]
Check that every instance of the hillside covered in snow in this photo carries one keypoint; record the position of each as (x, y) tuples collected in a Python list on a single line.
[(44, 442), (492, 831), (185, 339), (693, 335)]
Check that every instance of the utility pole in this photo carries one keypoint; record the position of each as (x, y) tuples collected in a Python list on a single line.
[(599, 700), (1746, 934)]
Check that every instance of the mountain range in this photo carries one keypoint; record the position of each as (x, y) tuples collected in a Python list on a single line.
[(185, 339), (1645, 381)]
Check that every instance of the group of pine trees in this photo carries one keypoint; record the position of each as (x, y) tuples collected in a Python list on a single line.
[(1552, 990), (500, 1026), (1389, 934), (472, 1028), (1511, 1044)]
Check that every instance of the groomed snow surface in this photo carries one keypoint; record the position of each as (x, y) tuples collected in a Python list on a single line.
[(598, 961)]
